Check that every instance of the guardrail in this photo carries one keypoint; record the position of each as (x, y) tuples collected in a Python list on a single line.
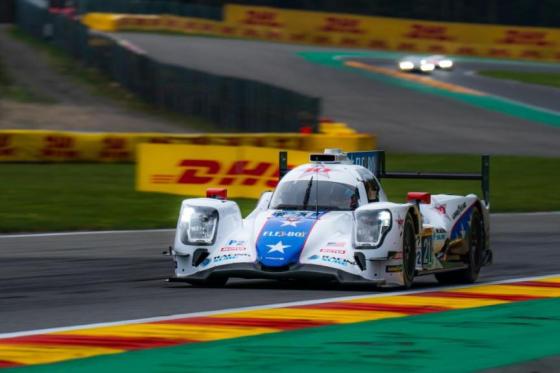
[(232, 104)]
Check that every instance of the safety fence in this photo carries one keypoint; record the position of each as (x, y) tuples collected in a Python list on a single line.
[(7, 8), (67, 146), (281, 25), (232, 104)]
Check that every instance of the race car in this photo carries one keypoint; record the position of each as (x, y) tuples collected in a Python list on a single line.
[(441, 62), (418, 64), (330, 220)]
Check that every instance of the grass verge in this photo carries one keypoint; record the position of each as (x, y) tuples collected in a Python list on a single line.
[(540, 78), (59, 197), (11, 91), (99, 84)]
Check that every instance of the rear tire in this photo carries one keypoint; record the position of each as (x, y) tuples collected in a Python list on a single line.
[(474, 257), (409, 253)]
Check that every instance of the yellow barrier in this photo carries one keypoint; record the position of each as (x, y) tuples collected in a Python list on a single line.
[(66, 146), (190, 169), (346, 30)]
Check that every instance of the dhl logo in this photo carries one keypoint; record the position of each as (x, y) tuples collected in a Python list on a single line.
[(114, 148), (59, 146), (261, 18), (431, 32), (537, 38), (212, 172), (5, 148), (340, 24)]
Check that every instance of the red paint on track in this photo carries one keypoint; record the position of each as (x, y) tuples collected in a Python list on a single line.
[(122, 343), (538, 284), (250, 322), (506, 297), (9, 364), (409, 310)]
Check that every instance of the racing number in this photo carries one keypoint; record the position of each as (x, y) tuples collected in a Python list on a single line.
[(427, 251)]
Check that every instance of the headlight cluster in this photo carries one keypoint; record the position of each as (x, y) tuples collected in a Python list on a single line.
[(371, 227), (406, 65), (198, 225)]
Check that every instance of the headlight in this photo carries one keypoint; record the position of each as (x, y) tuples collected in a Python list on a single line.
[(371, 227), (426, 66), (445, 64), (406, 65), (198, 225)]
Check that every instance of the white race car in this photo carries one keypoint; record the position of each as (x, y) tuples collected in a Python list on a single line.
[(418, 64), (330, 220), (441, 62)]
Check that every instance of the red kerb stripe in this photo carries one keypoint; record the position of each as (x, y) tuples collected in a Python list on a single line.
[(451, 294), (122, 343), (250, 322), (9, 364), (407, 309), (538, 284)]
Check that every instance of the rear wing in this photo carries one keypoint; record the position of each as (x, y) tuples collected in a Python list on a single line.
[(375, 162)]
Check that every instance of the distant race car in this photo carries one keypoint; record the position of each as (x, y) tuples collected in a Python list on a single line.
[(330, 220), (441, 62), (417, 64)]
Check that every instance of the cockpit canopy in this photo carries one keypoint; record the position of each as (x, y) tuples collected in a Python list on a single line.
[(312, 194)]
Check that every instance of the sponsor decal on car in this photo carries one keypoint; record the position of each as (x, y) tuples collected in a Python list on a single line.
[(393, 269), (333, 260), (283, 234), (234, 245), (228, 257), (459, 210), (331, 250), (440, 234)]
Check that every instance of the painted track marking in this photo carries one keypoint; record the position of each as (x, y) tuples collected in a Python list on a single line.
[(61, 344)]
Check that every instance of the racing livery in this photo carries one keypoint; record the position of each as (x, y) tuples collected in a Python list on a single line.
[(330, 220)]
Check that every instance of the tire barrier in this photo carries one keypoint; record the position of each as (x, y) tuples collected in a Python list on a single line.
[(67, 146)]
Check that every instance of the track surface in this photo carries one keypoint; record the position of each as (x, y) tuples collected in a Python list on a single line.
[(61, 280), (431, 124), (464, 74)]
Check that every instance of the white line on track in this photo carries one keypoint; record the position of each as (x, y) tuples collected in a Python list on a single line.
[(253, 308)]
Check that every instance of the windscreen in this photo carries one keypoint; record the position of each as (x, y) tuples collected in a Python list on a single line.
[(302, 195)]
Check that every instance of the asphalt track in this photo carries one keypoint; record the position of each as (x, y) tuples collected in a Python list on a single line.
[(465, 75), (56, 280), (403, 119)]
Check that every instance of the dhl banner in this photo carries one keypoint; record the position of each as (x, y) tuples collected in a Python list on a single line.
[(191, 169), (67, 146), (346, 30)]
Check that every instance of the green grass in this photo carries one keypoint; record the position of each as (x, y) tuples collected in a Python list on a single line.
[(541, 78), (58, 197), (11, 91), (99, 84)]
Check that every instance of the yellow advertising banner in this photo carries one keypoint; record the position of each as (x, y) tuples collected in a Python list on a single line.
[(68, 146), (346, 30), (191, 169)]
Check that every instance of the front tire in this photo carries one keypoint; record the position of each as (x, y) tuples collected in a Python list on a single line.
[(409, 253), (475, 241)]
